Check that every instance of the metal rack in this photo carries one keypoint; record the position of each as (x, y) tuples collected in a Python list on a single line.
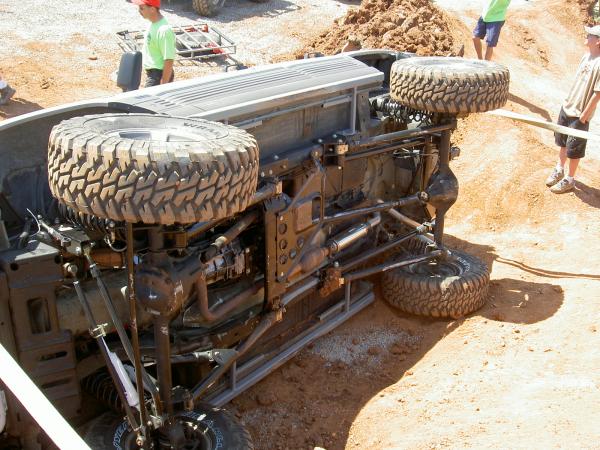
[(198, 41)]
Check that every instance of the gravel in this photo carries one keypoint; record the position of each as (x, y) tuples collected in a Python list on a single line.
[(91, 25), (365, 346)]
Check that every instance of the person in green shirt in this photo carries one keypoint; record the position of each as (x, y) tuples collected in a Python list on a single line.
[(489, 25), (158, 52)]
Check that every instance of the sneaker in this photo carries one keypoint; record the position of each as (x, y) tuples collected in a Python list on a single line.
[(563, 186), (555, 177), (7, 94)]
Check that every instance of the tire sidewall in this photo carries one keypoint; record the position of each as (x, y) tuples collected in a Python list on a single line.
[(200, 129), (111, 432)]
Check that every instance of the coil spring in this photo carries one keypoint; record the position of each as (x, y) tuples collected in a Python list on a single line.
[(90, 222), (400, 112), (100, 386)]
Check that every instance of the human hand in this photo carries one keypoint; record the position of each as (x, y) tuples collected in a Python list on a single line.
[(585, 117)]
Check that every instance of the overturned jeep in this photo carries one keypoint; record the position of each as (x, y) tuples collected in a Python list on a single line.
[(164, 249)]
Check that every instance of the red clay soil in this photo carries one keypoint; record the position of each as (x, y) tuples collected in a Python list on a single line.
[(404, 25)]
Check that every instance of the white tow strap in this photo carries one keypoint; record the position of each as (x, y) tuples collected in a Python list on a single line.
[(40, 408), (545, 124)]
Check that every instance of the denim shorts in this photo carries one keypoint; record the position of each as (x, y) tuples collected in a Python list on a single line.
[(575, 146), (489, 29)]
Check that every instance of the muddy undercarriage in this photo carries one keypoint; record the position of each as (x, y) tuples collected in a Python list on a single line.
[(181, 245)]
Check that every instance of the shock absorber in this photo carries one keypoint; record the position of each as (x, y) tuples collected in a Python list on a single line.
[(91, 223), (399, 112), (101, 386)]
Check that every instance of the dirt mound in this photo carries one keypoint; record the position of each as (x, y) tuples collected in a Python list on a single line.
[(587, 8), (404, 25)]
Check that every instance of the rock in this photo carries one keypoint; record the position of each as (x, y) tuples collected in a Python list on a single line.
[(374, 351), (300, 362), (339, 366), (266, 398), (398, 349), (499, 316)]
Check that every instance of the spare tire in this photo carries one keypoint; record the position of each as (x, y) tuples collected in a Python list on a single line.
[(152, 169), (206, 427), (449, 85), (449, 287), (207, 8)]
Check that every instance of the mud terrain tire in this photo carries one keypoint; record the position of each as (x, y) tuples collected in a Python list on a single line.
[(207, 428), (448, 288), (207, 8), (449, 85), (152, 169)]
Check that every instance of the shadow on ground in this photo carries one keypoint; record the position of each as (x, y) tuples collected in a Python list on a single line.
[(17, 106), (233, 10), (587, 194), (321, 393), (530, 106)]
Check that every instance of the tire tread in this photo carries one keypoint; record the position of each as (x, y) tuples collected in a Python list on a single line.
[(438, 87), (138, 181), (439, 297)]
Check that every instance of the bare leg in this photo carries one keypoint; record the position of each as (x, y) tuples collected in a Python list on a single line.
[(573, 164), (489, 51), (562, 156), (477, 44)]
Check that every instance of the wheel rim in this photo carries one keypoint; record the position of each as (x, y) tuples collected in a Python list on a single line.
[(449, 267), (458, 65), (158, 128), (164, 135), (198, 435)]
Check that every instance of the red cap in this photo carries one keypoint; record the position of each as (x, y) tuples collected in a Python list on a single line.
[(155, 3)]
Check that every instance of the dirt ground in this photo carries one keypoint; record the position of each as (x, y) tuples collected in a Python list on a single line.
[(521, 373)]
